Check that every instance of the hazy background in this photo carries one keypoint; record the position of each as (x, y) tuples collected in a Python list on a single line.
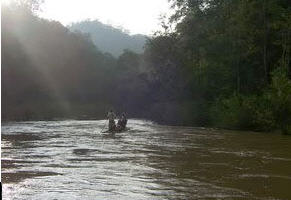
[(136, 16), (205, 63)]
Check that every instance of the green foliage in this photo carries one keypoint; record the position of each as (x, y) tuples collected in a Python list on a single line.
[(49, 72), (216, 67), (280, 98), (262, 111), (268, 111), (232, 112), (222, 52)]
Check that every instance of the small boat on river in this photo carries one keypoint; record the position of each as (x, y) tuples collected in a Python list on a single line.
[(116, 130), (121, 124)]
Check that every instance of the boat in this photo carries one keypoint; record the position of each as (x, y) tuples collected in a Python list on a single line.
[(116, 130), (120, 127)]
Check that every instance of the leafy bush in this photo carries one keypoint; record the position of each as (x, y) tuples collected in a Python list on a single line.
[(264, 112), (233, 112), (280, 98)]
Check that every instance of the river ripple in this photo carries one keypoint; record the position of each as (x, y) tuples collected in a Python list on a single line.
[(74, 160)]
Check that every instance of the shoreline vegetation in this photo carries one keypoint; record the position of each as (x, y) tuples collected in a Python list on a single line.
[(219, 64)]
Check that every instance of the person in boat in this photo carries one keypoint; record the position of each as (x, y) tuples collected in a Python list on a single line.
[(122, 122), (111, 117)]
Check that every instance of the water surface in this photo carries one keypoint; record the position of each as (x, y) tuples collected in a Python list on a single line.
[(74, 160)]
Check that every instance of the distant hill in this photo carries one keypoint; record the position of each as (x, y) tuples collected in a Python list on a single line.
[(108, 38)]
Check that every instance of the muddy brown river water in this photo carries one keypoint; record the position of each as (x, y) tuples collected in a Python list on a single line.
[(74, 160)]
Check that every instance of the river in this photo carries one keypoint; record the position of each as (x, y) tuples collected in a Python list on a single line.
[(73, 160)]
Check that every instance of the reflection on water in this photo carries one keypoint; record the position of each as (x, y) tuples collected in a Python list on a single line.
[(74, 160)]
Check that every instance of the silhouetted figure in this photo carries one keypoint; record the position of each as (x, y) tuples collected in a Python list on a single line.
[(122, 122), (111, 117)]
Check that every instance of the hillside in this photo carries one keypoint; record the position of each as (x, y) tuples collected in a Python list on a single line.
[(108, 38)]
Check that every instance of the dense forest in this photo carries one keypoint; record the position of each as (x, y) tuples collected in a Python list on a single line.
[(221, 63), (108, 38)]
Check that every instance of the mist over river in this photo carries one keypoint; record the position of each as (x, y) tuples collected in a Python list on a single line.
[(73, 160)]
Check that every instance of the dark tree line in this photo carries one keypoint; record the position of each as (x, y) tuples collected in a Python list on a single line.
[(230, 58), (47, 71), (223, 63)]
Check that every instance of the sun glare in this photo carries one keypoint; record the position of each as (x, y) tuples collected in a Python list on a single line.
[(5, 2), (137, 16)]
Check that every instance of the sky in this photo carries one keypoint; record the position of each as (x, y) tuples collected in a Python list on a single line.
[(136, 16)]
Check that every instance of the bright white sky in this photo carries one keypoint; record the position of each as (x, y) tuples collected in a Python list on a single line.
[(137, 16)]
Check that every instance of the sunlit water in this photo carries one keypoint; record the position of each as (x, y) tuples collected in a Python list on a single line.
[(74, 160)]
